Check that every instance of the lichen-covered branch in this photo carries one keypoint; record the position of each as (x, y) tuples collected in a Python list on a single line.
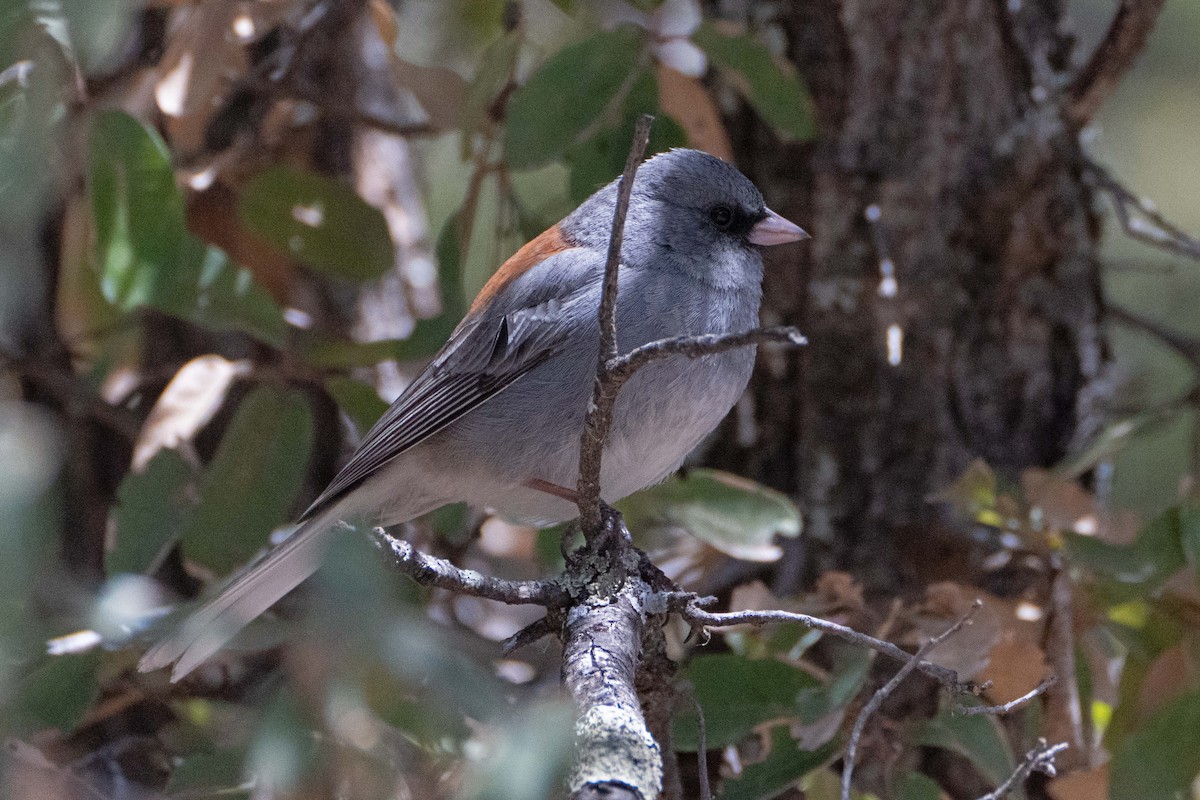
[(601, 648)]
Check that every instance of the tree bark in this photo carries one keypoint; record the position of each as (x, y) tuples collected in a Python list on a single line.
[(946, 117)]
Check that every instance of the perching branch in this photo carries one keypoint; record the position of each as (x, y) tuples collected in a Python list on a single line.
[(604, 394), (1124, 41), (431, 571), (1039, 759), (885, 691)]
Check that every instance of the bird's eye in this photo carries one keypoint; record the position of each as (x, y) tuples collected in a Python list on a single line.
[(721, 216)]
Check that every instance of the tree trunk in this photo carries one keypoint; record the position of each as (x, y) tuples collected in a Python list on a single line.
[(941, 120)]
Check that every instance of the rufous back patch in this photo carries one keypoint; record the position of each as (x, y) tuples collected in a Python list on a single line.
[(534, 252)]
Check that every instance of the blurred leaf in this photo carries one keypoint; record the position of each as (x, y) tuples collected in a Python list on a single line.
[(783, 767), (144, 253), (772, 87), (601, 158), (738, 695), (735, 515), (209, 774), (252, 480), (358, 400), (974, 493), (977, 738), (493, 70), (1162, 760), (527, 757), (189, 401), (850, 667), (226, 297), (55, 694), (150, 511), (917, 786), (138, 212), (569, 93), (1137, 568), (1189, 536), (318, 220), (96, 27), (286, 748)]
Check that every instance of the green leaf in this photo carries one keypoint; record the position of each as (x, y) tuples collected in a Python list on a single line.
[(151, 507), (55, 694), (737, 696), (737, 516), (492, 73), (226, 297), (1189, 536), (210, 773), (568, 94), (359, 400), (143, 252), (1162, 760), (918, 786), (977, 738), (783, 767), (138, 212), (319, 221), (252, 480), (1140, 567), (601, 158), (772, 87)]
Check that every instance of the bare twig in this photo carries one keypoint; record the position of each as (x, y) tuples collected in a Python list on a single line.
[(1139, 217), (1186, 346), (702, 752), (1039, 759), (599, 412), (885, 691), (1010, 706), (1124, 41), (528, 635), (621, 368), (431, 571), (947, 677)]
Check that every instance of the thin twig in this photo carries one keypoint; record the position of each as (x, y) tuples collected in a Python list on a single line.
[(1039, 759), (1124, 41), (528, 635), (1139, 217), (702, 752), (885, 691), (599, 412), (623, 367), (947, 677), (1010, 706), (432, 571)]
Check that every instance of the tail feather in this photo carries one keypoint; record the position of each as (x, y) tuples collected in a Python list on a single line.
[(209, 628)]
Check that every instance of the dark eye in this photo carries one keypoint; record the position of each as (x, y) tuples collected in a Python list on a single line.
[(721, 216)]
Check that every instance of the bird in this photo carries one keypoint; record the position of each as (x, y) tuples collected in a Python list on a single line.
[(497, 414)]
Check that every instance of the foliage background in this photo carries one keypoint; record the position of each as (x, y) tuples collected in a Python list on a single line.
[(306, 204)]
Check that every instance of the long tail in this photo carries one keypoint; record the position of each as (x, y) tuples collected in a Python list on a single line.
[(209, 628)]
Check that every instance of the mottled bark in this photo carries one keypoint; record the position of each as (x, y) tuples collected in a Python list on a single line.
[(947, 119)]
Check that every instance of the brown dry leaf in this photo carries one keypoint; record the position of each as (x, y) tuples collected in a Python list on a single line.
[(1170, 675), (839, 591), (1089, 785), (967, 651), (1015, 667), (188, 403), (201, 53), (685, 100)]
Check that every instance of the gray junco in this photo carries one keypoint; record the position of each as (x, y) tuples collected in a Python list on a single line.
[(500, 409)]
